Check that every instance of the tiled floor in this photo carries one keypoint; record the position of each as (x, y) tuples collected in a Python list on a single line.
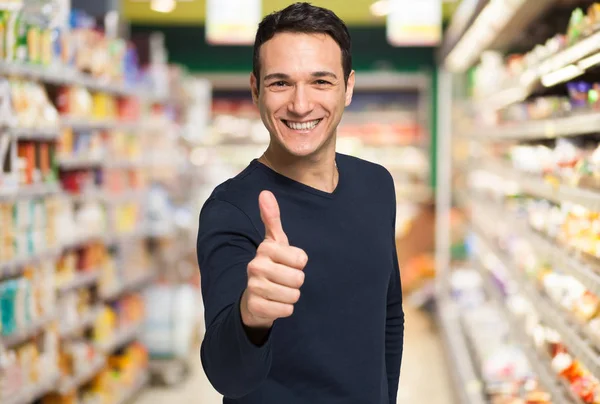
[(424, 376)]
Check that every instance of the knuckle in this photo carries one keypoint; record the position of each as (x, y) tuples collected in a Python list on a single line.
[(253, 285), (266, 248), (253, 267), (256, 307)]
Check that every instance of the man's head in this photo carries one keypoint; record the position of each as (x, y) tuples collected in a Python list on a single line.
[(302, 77)]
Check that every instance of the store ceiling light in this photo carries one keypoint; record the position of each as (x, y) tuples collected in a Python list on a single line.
[(561, 75), (380, 8), (163, 6)]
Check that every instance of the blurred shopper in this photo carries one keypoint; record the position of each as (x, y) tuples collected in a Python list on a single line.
[(299, 267)]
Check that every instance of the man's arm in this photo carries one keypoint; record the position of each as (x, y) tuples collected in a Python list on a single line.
[(394, 328), (394, 331), (227, 242)]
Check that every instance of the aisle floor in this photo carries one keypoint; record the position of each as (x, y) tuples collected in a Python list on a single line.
[(424, 375)]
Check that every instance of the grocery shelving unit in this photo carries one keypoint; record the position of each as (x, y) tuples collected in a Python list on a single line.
[(504, 198), (54, 328)]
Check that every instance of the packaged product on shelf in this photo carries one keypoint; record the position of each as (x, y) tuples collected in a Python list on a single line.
[(579, 93), (104, 106), (75, 101), (76, 358), (32, 105), (576, 26)]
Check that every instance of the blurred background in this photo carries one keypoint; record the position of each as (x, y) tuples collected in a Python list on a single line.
[(119, 117)]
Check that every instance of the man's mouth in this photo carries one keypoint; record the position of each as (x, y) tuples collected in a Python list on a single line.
[(309, 125)]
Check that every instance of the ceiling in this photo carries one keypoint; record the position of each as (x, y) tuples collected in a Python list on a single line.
[(193, 11)]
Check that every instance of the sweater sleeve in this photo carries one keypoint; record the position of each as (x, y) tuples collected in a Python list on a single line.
[(227, 242), (394, 329)]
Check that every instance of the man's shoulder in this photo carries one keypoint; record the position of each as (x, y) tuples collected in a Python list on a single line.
[(240, 191), (364, 169)]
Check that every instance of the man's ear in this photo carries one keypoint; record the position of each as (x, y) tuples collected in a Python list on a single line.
[(350, 87), (254, 88)]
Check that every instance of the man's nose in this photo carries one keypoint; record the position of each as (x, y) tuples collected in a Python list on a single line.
[(301, 103)]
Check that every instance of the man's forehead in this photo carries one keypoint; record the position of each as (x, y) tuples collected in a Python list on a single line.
[(300, 53)]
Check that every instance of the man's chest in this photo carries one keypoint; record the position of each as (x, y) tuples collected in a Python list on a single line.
[(348, 256)]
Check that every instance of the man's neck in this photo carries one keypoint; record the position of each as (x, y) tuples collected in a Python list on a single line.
[(319, 172)]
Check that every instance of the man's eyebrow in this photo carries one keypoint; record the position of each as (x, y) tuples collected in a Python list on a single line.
[(278, 76), (283, 76), (324, 74)]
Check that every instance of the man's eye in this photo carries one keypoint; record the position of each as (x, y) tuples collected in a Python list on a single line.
[(279, 84), (322, 82)]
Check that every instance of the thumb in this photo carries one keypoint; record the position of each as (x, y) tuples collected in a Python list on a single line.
[(271, 217)]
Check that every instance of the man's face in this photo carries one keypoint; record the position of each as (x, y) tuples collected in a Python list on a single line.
[(302, 92)]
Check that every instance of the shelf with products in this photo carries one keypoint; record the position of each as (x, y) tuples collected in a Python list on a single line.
[(564, 56), (538, 186), (574, 335), (75, 159), (468, 384), (80, 363), (80, 323), (503, 368), (541, 362), (26, 332), (37, 133), (33, 392), (577, 263), (122, 336), (111, 378)]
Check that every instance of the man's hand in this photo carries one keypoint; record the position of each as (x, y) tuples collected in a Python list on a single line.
[(275, 275)]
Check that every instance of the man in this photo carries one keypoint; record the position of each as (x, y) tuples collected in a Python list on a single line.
[(300, 276)]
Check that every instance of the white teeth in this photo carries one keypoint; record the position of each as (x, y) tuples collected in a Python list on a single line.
[(302, 125)]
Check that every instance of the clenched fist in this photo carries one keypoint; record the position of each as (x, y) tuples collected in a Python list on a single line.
[(275, 275)]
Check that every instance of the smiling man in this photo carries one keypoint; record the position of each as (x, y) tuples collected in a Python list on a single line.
[(300, 275)]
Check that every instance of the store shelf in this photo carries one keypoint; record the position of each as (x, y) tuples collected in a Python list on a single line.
[(67, 77), (29, 191), (125, 237), (79, 163), (480, 25), (32, 393), (576, 264), (121, 337), (574, 336), (130, 195), (86, 322), (123, 164), (14, 267), (81, 279), (35, 327), (582, 56), (135, 389), (467, 384), (79, 380), (128, 287), (85, 240), (536, 186), (540, 364), (46, 134), (578, 124)]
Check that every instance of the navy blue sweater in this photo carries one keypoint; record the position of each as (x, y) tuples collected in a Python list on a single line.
[(343, 343)]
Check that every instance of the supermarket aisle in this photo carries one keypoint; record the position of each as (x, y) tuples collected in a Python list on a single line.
[(423, 373)]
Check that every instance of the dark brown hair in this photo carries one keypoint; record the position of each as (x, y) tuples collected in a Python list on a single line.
[(304, 18)]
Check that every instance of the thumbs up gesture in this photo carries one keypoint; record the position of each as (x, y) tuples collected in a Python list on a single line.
[(275, 275)]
